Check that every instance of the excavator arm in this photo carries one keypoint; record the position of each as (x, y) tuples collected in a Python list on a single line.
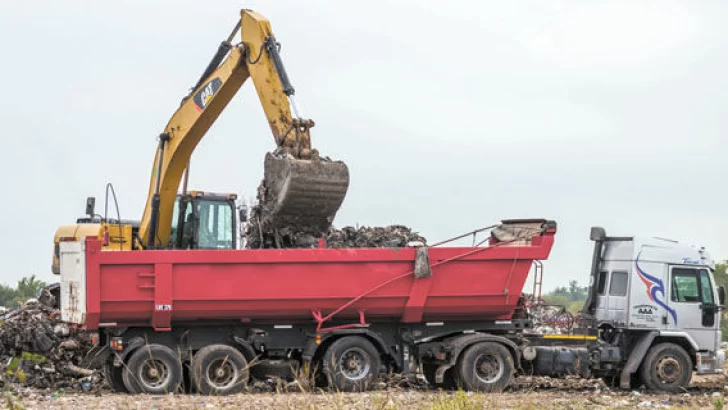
[(301, 188)]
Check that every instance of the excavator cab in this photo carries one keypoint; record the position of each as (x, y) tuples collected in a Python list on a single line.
[(204, 220)]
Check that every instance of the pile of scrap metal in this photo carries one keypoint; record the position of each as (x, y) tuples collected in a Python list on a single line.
[(38, 350)]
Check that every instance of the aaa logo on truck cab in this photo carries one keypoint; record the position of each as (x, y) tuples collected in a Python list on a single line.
[(203, 97), (655, 286)]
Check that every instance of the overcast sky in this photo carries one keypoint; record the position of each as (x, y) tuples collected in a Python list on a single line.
[(451, 116)]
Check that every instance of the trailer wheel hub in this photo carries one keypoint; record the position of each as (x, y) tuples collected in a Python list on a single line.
[(354, 364), (154, 373), (489, 368), (222, 373), (668, 369)]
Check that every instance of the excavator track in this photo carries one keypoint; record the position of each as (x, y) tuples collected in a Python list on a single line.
[(305, 194)]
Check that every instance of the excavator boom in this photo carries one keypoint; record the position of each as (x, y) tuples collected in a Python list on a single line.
[(298, 185)]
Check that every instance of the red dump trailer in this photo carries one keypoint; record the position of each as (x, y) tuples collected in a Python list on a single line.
[(218, 318)]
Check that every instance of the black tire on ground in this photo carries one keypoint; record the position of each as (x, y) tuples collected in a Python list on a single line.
[(667, 368), (351, 364), (219, 370), (485, 367), (153, 369), (113, 375), (449, 381)]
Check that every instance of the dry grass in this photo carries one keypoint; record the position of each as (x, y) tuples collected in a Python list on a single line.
[(382, 400), (706, 393)]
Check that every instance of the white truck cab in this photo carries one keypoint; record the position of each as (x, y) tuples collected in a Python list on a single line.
[(661, 289)]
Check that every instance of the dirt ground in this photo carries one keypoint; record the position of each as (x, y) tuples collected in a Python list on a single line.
[(705, 393)]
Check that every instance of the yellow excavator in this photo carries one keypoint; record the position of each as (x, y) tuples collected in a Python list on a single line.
[(299, 187)]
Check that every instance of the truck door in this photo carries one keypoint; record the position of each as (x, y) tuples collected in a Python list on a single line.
[(601, 312), (617, 296), (693, 302), (612, 296)]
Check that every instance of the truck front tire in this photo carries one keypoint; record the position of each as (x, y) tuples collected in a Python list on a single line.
[(485, 367), (219, 370), (153, 369), (667, 367), (351, 364)]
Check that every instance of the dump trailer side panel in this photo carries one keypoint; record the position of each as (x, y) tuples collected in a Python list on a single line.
[(158, 288)]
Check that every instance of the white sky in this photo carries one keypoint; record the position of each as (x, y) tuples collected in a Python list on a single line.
[(451, 116)]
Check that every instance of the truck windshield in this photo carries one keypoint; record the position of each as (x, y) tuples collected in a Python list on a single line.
[(706, 287), (216, 225)]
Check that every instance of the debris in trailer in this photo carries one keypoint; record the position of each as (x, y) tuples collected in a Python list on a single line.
[(393, 236), (37, 350)]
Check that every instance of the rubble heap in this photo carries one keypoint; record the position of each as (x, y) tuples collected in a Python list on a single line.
[(260, 234), (392, 236), (38, 350)]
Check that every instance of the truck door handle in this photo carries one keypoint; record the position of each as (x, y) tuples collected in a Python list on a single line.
[(708, 306)]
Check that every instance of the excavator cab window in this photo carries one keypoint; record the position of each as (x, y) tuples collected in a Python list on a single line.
[(207, 223), (187, 224), (215, 228)]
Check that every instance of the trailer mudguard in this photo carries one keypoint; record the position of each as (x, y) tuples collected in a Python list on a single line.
[(635, 358), (457, 344)]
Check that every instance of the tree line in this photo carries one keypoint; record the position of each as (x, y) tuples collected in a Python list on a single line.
[(721, 279), (572, 297), (27, 288)]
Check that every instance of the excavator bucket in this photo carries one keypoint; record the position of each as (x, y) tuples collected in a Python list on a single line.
[(304, 193)]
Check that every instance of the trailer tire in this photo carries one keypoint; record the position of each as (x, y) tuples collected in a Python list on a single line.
[(114, 377), (351, 364), (485, 367), (153, 369), (667, 367), (219, 370)]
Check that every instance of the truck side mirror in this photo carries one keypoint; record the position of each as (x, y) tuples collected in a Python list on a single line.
[(721, 295), (90, 206)]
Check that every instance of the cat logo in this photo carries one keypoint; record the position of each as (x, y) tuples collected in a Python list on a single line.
[(203, 97)]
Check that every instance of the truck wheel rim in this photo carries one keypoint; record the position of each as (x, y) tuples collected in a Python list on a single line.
[(153, 374), (668, 369), (221, 373), (489, 368), (354, 364)]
